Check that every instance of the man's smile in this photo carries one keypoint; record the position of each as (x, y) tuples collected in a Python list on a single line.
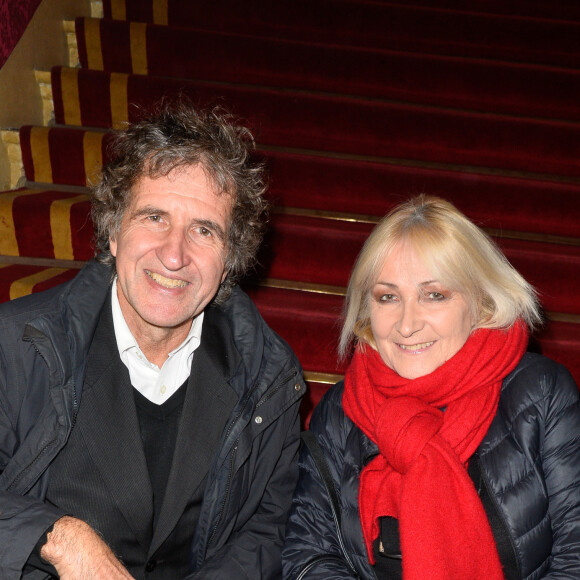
[(166, 282)]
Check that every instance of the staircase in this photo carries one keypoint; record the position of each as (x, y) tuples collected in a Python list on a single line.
[(356, 105)]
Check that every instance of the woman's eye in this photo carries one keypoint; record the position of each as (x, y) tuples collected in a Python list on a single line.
[(435, 296), (386, 298)]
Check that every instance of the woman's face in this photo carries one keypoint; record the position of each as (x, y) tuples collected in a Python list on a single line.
[(417, 322)]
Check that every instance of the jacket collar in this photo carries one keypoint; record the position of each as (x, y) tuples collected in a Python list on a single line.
[(72, 321)]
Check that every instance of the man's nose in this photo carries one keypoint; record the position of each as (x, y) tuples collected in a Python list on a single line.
[(173, 250)]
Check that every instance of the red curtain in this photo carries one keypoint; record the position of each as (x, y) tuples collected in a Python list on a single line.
[(14, 17)]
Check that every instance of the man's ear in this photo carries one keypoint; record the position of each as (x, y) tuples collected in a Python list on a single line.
[(113, 246)]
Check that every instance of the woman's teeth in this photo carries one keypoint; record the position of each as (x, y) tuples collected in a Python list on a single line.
[(416, 346)]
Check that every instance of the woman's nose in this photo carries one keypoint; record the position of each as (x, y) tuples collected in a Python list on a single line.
[(410, 320)]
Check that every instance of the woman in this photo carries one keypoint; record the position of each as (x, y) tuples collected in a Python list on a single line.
[(455, 454)]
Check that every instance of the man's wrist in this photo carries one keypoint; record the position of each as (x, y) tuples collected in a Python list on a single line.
[(59, 538), (36, 561), (77, 551), (43, 539)]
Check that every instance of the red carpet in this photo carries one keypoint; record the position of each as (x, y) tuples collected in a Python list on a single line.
[(476, 84), (343, 124), (19, 280), (416, 28), (356, 105), (308, 181)]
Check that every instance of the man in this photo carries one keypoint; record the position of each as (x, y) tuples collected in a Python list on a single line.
[(148, 416)]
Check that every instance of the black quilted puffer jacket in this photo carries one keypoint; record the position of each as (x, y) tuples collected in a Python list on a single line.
[(530, 465)]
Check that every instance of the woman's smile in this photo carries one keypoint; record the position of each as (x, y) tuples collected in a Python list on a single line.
[(416, 348)]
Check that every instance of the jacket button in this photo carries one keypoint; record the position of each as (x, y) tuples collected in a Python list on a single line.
[(258, 419), (297, 386), (150, 566)]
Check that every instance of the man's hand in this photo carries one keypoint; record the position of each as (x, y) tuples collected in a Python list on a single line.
[(78, 553)]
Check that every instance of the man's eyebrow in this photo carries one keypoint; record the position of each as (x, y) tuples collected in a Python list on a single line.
[(147, 210)]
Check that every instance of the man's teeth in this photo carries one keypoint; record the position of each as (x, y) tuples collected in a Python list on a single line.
[(416, 346), (166, 282)]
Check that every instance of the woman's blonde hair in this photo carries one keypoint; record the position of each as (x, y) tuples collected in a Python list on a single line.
[(458, 253)]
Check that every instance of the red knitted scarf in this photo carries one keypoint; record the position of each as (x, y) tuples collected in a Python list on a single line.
[(420, 475)]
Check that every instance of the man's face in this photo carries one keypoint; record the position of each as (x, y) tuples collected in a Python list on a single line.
[(170, 252)]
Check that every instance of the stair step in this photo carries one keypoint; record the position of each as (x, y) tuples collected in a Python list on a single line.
[(18, 280), (64, 157), (560, 10), (44, 223), (372, 188), (56, 224), (375, 24), (326, 122), (451, 82)]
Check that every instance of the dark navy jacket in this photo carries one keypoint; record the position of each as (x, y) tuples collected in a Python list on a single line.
[(44, 340)]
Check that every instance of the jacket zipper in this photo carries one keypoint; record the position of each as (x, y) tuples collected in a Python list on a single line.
[(269, 394), (316, 560), (226, 494), (75, 407), (276, 388), (74, 388)]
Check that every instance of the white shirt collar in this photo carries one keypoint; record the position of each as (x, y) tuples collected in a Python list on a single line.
[(145, 376)]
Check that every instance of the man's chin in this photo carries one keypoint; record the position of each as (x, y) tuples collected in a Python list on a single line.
[(169, 323)]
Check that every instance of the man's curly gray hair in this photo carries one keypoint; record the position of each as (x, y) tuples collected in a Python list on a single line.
[(175, 135)]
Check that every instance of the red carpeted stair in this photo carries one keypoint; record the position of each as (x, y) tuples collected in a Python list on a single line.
[(428, 27), (349, 125), (455, 81), (356, 105), (302, 180)]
